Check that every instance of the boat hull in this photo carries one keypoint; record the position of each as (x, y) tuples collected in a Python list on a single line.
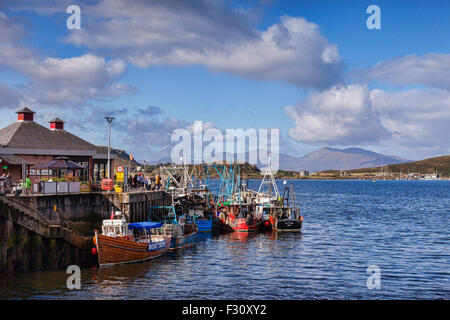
[(241, 225), (287, 225), (211, 225), (111, 250), (183, 242)]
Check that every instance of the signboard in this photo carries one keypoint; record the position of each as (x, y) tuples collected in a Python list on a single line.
[(84, 187), (107, 184), (156, 245), (120, 169), (119, 176)]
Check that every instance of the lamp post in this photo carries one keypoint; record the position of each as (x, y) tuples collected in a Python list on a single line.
[(109, 119)]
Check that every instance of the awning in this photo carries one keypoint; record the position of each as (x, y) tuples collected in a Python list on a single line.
[(59, 163), (147, 225), (12, 159)]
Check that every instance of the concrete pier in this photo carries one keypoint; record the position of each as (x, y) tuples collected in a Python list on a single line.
[(40, 232)]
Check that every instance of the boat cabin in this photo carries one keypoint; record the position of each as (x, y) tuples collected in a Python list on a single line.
[(142, 231), (117, 227)]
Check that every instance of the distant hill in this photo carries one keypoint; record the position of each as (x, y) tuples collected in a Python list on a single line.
[(337, 159), (161, 160), (123, 159), (328, 159), (431, 165)]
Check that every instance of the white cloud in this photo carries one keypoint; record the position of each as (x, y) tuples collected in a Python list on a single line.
[(430, 69), (210, 34), (10, 29), (59, 81), (9, 97), (414, 123), (418, 120), (342, 115)]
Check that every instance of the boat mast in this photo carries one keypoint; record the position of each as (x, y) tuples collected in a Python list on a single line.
[(272, 182)]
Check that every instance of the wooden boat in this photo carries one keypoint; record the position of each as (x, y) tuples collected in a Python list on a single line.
[(181, 230), (122, 242)]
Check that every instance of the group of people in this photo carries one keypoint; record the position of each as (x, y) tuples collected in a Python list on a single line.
[(5, 183), (139, 180)]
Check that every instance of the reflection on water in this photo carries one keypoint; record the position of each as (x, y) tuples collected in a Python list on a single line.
[(400, 226)]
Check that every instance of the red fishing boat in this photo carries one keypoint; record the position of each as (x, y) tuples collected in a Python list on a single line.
[(228, 221), (122, 242)]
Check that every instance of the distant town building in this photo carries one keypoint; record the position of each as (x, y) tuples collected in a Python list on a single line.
[(26, 143), (304, 173), (432, 176)]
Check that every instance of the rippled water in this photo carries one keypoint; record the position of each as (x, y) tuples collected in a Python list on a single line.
[(401, 226)]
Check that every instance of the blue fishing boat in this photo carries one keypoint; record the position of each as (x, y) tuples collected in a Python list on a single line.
[(182, 229), (208, 225), (191, 196), (199, 204)]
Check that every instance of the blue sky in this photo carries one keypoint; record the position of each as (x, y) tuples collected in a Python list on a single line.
[(339, 83)]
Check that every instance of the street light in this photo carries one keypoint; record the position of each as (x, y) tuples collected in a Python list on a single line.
[(109, 119)]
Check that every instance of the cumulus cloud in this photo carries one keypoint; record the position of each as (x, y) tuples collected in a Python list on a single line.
[(341, 115), (59, 81), (213, 35), (144, 131), (10, 29), (9, 97), (151, 110), (413, 122), (417, 119), (430, 69)]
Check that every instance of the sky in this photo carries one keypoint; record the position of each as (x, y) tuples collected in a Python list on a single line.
[(312, 69)]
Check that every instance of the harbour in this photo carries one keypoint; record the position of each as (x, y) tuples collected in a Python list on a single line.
[(222, 159), (385, 223), (54, 231)]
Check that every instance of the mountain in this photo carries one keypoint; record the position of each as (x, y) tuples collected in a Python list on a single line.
[(328, 159), (337, 159)]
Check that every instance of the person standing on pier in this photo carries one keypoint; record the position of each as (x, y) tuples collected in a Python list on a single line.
[(3, 184), (135, 181), (130, 181), (27, 185), (157, 182), (140, 180)]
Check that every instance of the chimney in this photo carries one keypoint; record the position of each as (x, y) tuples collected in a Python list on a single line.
[(25, 114), (56, 124)]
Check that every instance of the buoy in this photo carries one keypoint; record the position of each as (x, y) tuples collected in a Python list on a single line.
[(94, 251), (266, 223)]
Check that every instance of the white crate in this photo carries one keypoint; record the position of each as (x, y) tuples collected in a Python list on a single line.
[(108, 222), (117, 222)]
